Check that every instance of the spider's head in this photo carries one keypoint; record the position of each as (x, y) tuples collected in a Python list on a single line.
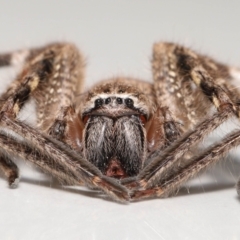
[(115, 106), (115, 116), (115, 99)]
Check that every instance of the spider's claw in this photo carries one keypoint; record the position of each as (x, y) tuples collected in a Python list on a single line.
[(134, 183), (138, 189), (147, 193), (130, 183), (112, 188), (10, 170), (13, 183)]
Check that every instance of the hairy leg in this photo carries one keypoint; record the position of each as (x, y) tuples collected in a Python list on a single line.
[(52, 76)]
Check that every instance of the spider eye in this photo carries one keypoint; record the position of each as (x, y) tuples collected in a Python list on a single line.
[(129, 102), (119, 100), (98, 102), (108, 100)]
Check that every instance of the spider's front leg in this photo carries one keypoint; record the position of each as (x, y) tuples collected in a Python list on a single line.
[(35, 79), (53, 75), (189, 84)]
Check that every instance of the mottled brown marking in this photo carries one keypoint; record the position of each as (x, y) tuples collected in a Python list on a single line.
[(124, 126)]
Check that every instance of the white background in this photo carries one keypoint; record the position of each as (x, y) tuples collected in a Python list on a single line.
[(116, 37)]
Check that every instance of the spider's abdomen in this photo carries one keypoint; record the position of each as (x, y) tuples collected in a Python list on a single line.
[(115, 146)]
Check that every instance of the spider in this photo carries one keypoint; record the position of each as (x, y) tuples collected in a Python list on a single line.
[(129, 138)]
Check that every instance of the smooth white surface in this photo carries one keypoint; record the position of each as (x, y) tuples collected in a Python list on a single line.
[(116, 38)]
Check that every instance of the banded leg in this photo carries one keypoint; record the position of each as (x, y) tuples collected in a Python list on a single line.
[(46, 71), (197, 164), (7, 166), (53, 77), (18, 92), (197, 70), (162, 161), (53, 157)]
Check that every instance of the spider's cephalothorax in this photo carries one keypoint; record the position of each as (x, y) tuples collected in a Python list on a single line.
[(116, 114), (114, 136), (127, 137)]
